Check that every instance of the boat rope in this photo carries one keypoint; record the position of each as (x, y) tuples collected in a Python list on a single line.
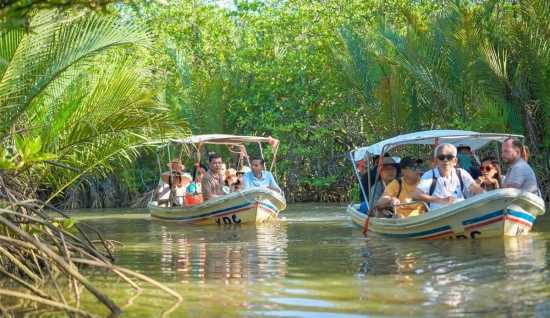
[(514, 200), (247, 198)]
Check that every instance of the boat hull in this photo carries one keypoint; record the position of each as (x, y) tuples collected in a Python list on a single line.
[(504, 212), (255, 205)]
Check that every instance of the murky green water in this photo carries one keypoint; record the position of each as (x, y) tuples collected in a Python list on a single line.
[(317, 264)]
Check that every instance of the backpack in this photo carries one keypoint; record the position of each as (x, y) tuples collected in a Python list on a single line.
[(400, 187)]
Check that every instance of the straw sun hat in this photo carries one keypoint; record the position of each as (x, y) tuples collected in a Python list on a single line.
[(244, 169), (185, 178), (176, 161)]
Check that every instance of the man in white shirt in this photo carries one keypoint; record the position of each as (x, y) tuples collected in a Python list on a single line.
[(445, 184)]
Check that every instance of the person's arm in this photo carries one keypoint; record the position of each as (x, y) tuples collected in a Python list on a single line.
[(159, 191), (476, 188), (515, 181), (272, 184), (513, 185), (516, 177), (388, 197), (419, 195), (160, 187), (164, 195), (470, 183), (207, 186)]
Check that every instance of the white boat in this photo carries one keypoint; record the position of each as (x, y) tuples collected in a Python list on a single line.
[(254, 205), (502, 212)]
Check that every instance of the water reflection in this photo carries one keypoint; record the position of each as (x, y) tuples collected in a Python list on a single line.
[(476, 277), (329, 270), (231, 254)]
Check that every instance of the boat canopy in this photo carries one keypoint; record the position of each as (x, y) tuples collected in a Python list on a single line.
[(221, 139), (474, 140)]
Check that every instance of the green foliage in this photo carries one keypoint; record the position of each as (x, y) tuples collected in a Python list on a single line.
[(327, 78), (28, 152), (85, 92), (67, 225), (354, 194), (16, 13), (323, 78)]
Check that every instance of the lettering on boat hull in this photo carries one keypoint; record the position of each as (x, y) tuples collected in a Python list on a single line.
[(519, 231), (473, 235), (227, 220)]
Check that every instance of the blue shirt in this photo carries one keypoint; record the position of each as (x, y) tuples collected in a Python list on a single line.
[(250, 181)]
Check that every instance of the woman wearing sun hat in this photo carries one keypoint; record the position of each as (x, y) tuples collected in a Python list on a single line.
[(174, 193), (163, 189)]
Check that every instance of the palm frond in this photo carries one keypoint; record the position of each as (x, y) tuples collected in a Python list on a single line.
[(43, 56)]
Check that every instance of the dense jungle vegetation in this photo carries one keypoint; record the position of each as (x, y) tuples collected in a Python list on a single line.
[(89, 88), (84, 94)]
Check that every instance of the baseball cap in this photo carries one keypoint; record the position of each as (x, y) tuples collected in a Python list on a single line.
[(409, 161)]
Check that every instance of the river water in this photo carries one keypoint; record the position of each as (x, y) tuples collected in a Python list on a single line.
[(315, 263)]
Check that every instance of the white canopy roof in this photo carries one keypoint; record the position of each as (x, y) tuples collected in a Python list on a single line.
[(472, 139), (220, 139)]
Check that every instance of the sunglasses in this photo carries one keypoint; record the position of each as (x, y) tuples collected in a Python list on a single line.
[(415, 168), (486, 168), (443, 157)]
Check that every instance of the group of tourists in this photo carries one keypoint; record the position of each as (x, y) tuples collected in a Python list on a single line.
[(176, 188), (452, 180)]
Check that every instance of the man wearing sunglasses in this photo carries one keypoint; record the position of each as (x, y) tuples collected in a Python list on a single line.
[(445, 184), (400, 191)]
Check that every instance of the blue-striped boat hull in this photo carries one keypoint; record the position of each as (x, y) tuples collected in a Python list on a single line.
[(503, 212), (255, 205)]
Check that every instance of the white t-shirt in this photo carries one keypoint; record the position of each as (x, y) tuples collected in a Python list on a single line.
[(445, 187)]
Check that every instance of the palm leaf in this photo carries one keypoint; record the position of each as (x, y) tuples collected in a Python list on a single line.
[(45, 55)]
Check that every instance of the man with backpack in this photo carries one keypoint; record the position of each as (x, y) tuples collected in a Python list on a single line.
[(400, 190), (445, 184)]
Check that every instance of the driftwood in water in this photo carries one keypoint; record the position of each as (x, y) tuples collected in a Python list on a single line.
[(37, 248)]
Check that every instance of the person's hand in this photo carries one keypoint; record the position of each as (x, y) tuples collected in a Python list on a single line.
[(394, 201), (493, 182), (273, 188), (480, 180), (447, 200)]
